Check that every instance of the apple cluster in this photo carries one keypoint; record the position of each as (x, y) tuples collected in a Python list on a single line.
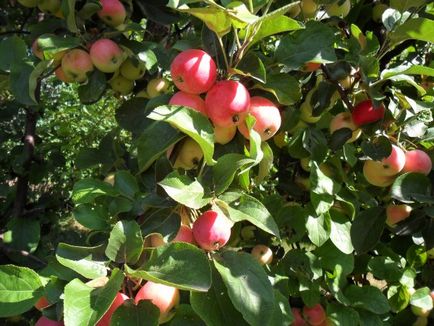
[(314, 316)]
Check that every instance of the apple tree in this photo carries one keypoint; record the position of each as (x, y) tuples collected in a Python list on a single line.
[(256, 162)]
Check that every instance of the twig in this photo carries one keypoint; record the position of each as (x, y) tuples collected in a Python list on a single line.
[(8, 250)]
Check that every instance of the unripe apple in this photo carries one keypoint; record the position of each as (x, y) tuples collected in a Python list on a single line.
[(267, 115), (193, 71), (421, 321), (143, 94), (305, 164), (156, 87), (294, 11), (314, 315), (28, 3), (223, 135), (302, 182), (372, 170), (37, 52), (211, 230), (117, 302), (298, 318), (345, 120), (166, 298), (60, 74), (189, 156), (132, 68), (417, 161), (106, 55), (339, 8), (394, 163), (76, 64), (377, 11), (397, 213), (309, 8), (50, 6), (227, 103), (42, 303), (191, 100), (248, 232), (44, 321), (365, 113), (121, 85), (280, 139), (112, 13), (262, 254)]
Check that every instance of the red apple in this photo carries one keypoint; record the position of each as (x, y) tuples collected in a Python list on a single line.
[(42, 303), (314, 315), (267, 115), (60, 74), (397, 213), (191, 100), (227, 103), (345, 120), (44, 321), (311, 66), (211, 230), (417, 161), (262, 254), (365, 113), (106, 55), (193, 71), (185, 234), (298, 318), (112, 13), (372, 170), (166, 298), (394, 163), (117, 302), (76, 64)]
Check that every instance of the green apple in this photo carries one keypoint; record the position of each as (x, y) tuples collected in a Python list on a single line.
[(121, 85), (133, 69)]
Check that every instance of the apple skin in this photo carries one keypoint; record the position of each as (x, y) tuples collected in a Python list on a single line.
[(294, 11), (262, 254), (185, 234), (314, 315), (166, 298), (227, 103), (76, 64), (132, 69), (112, 12), (267, 115), (42, 303), (223, 135), (193, 71), (191, 100), (60, 74), (189, 156), (372, 170), (335, 9), (298, 318), (44, 321), (49, 6), (394, 163), (417, 311), (417, 161), (309, 8), (397, 213), (156, 87), (117, 302), (121, 85), (211, 230), (365, 113), (345, 120), (106, 55), (28, 3), (311, 66), (37, 52)]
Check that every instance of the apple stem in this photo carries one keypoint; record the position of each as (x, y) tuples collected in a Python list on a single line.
[(223, 52)]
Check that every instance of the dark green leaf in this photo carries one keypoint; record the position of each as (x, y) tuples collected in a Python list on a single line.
[(367, 228), (412, 187), (125, 243), (93, 90), (94, 217), (86, 190), (367, 297), (126, 184), (144, 313)]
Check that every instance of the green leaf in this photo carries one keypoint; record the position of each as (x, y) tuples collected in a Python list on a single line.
[(407, 70), (282, 311), (422, 299), (126, 184), (248, 286), (190, 122), (318, 229), (93, 90), (51, 44), (20, 288), (330, 256), (22, 234), (94, 217), (341, 315), (125, 243), (252, 66), (420, 29), (163, 221), (20, 82), (367, 228), (266, 163), (87, 261), (131, 115), (214, 18), (85, 305), (144, 313), (185, 316), (179, 264), (184, 190), (86, 190), (12, 50), (399, 297), (341, 232), (241, 207), (322, 189), (378, 148), (284, 87), (384, 268), (411, 188), (367, 297), (68, 10), (274, 25)]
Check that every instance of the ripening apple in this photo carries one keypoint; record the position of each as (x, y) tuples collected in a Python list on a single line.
[(227, 103), (262, 254), (248, 232), (106, 55), (298, 318), (185, 234), (132, 68), (397, 213), (267, 115), (121, 85), (190, 100), (377, 11), (340, 8), (156, 87), (44, 321), (37, 52), (305, 164), (309, 8), (143, 94), (345, 120), (189, 156), (28, 3), (166, 298), (314, 315), (212, 230), (42, 303), (365, 113), (394, 163), (112, 13), (50, 6), (417, 161), (76, 64), (372, 170), (117, 302), (60, 74), (193, 71), (223, 135)]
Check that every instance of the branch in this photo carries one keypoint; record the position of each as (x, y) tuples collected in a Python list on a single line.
[(341, 90), (10, 251)]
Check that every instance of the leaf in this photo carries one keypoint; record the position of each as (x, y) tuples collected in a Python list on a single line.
[(407, 70), (378, 148), (181, 265), (163, 221), (190, 122), (86, 190), (282, 311), (367, 228), (144, 313), (318, 229), (68, 10), (85, 305), (214, 18), (186, 316), (384, 268), (330, 256), (12, 50), (126, 184), (422, 299), (87, 261), (51, 44), (20, 288), (284, 87), (92, 91), (22, 234), (184, 190), (367, 297), (20, 82), (266, 163), (341, 232), (252, 66), (420, 29), (241, 207), (125, 243), (399, 297), (94, 217), (131, 115), (411, 188), (341, 315), (274, 25), (248, 286)]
